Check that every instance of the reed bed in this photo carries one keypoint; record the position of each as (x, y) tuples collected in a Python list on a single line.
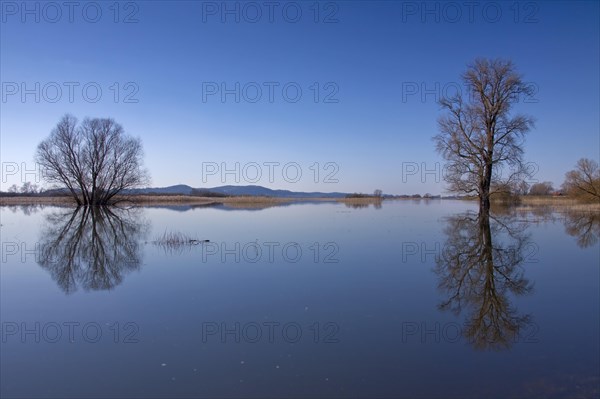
[(559, 203), (176, 240), (361, 200), (35, 200)]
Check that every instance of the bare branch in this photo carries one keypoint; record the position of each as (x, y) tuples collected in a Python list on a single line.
[(95, 160)]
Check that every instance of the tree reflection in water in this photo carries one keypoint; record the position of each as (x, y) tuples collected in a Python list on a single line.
[(479, 268), (91, 247), (377, 204), (584, 226)]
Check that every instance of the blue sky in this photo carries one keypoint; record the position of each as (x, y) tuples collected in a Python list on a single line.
[(377, 68)]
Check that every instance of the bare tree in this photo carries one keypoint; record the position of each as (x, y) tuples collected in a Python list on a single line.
[(95, 160), (378, 193), (544, 188), (29, 188), (522, 187), (478, 136), (584, 180)]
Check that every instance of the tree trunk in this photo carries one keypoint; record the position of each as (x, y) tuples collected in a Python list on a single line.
[(484, 204), (484, 188)]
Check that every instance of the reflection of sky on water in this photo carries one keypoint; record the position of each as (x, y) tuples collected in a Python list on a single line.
[(378, 286)]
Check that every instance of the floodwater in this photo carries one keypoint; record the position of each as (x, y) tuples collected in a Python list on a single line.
[(404, 299)]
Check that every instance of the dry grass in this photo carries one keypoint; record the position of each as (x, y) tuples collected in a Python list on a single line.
[(561, 202), (176, 240), (253, 205), (167, 199), (361, 200), (36, 201), (176, 243), (252, 200), (151, 200), (195, 200)]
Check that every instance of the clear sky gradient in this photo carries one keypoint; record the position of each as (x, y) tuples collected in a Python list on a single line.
[(369, 72)]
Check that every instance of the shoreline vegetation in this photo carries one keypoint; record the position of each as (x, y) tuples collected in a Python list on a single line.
[(261, 201), (181, 199), (558, 203)]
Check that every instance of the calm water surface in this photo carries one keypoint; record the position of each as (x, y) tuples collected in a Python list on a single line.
[(409, 299)]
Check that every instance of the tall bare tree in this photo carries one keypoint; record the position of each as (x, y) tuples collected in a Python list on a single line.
[(584, 180), (478, 135), (95, 160)]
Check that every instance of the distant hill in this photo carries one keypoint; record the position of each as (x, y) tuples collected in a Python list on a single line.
[(235, 190), (177, 189)]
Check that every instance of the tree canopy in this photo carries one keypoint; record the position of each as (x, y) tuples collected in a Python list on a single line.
[(94, 160), (478, 135)]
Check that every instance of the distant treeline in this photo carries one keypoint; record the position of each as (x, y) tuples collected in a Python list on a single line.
[(359, 195)]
